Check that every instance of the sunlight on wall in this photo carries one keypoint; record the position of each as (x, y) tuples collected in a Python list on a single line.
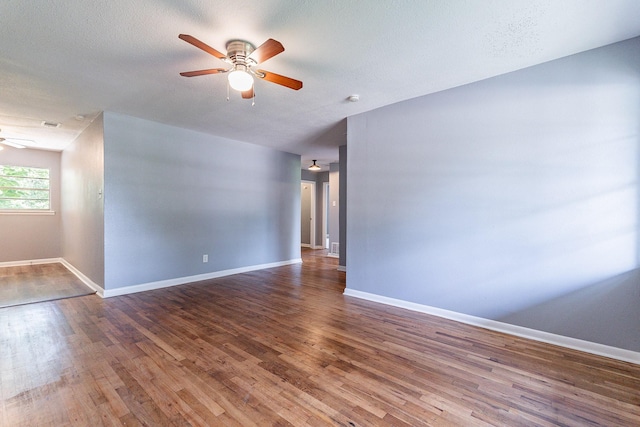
[(494, 197)]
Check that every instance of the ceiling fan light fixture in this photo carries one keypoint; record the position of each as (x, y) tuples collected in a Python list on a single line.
[(314, 167), (240, 79)]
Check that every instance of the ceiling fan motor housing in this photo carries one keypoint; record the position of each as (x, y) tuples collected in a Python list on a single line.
[(238, 52)]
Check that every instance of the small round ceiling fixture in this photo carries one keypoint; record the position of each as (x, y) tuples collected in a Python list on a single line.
[(314, 167), (353, 98)]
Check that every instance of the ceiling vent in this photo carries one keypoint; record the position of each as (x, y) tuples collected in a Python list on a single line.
[(50, 124)]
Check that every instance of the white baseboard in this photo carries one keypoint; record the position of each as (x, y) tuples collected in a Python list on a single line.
[(330, 255), (190, 279), (106, 293), (30, 262), (90, 283), (520, 331), (342, 268)]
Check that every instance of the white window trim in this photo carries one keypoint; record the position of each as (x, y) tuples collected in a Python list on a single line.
[(27, 212)]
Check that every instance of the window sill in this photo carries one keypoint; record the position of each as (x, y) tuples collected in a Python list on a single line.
[(18, 212)]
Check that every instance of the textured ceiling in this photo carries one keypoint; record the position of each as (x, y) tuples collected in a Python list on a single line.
[(63, 59)]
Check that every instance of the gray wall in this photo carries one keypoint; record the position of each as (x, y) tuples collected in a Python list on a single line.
[(514, 199), (342, 215), (172, 195), (609, 309), (82, 202), (25, 237)]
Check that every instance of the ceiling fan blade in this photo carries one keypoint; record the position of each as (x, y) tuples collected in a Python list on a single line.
[(281, 80), (200, 45), (203, 72), (266, 50), (248, 94)]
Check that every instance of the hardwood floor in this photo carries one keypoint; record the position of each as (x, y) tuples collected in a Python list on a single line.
[(284, 347), (27, 284)]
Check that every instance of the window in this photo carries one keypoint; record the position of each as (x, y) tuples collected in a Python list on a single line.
[(24, 189)]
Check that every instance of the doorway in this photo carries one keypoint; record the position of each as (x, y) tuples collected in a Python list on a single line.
[(325, 215), (307, 214)]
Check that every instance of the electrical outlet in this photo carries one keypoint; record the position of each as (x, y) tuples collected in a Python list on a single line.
[(205, 258)]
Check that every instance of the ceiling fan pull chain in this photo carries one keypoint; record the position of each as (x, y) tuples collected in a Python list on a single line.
[(253, 100), (227, 90)]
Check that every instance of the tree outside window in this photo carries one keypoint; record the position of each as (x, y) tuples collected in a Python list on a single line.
[(24, 188)]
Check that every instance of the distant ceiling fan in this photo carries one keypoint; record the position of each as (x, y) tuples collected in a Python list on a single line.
[(12, 142), (243, 57)]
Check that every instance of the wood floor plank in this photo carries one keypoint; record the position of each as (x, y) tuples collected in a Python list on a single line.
[(28, 284), (284, 346)]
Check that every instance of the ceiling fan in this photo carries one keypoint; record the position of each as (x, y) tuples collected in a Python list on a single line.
[(243, 58), (13, 142)]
